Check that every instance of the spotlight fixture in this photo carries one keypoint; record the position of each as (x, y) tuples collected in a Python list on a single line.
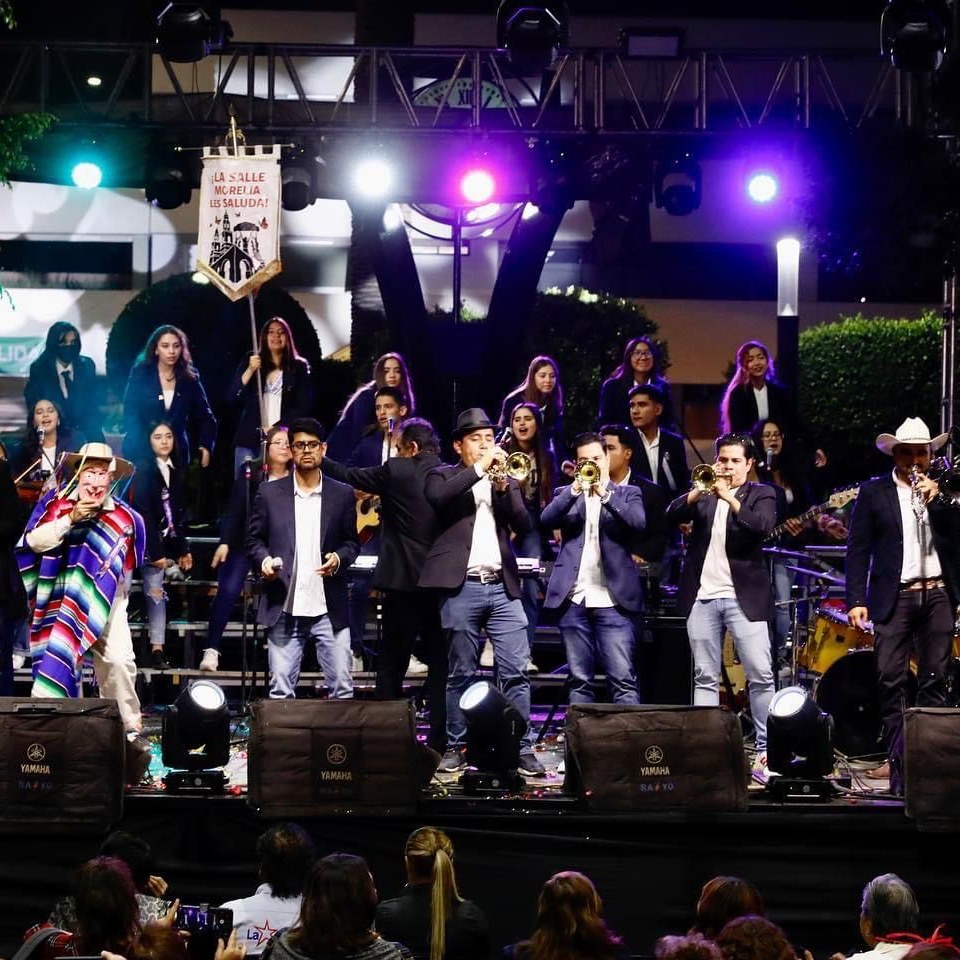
[(168, 183), (678, 185), (532, 33), (188, 32), (297, 183), (799, 747), (196, 739), (477, 186), (915, 34), (373, 179), (762, 187), (86, 174), (494, 731)]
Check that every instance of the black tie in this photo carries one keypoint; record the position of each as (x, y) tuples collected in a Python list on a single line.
[(67, 383)]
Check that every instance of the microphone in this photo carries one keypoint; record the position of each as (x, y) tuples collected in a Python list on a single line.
[(246, 467), (391, 424), (41, 433), (771, 453)]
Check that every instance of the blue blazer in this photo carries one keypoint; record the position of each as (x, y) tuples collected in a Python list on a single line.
[(621, 519), (875, 546), (273, 533)]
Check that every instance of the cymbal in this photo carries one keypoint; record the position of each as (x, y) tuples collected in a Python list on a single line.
[(835, 578)]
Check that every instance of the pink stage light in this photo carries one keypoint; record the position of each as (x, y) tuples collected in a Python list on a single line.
[(477, 186)]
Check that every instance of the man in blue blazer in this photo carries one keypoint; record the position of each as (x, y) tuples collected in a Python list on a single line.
[(594, 582), (303, 538), (902, 571)]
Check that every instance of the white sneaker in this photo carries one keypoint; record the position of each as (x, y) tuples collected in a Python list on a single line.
[(357, 664), (760, 773), (416, 668), (19, 661), (531, 667), (211, 660), (486, 655)]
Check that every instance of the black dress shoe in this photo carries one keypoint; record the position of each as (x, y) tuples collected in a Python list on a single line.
[(159, 661)]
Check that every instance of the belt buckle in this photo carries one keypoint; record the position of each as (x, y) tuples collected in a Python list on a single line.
[(487, 577)]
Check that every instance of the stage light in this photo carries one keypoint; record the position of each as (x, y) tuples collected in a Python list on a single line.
[(168, 185), (297, 184), (494, 730), (373, 178), (392, 218), (477, 186), (86, 174), (196, 739), (915, 34), (532, 33), (799, 746), (188, 32), (762, 187), (94, 81), (678, 185)]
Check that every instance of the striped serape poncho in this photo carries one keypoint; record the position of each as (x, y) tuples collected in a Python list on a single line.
[(71, 588)]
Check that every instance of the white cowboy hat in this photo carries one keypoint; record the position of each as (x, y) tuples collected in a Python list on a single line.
[(120, 468), (912, 430)]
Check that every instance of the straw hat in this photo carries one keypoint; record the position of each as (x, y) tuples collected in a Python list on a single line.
[(912, 430), (75, 462)]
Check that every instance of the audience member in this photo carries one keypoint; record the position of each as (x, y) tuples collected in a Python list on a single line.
[(569, 924), (888, 906), (430, 917), (754, 938), (158, 941), (723, 899), (693, 946), (285, 854), (336, 917)]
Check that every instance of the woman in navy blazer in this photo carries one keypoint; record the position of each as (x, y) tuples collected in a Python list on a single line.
[(640, 363), (287, 391), (164, 385)]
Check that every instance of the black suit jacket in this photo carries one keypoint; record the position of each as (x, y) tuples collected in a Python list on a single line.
[(147, 497), (80, 409), (408, 522), (671, 451), (651, 542), (296, 400), (450, 491), (743, 415), (193, 422), (875, 548), (273, 533), (746, 532), (614, 406), (13, 518)]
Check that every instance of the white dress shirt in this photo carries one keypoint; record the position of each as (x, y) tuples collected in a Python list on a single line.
[(920, 559), (306, 597), (484, 547), (590, 588)]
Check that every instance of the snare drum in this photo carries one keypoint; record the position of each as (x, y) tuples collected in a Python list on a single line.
[(833, 637)]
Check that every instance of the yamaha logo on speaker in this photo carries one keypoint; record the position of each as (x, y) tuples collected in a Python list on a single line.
[(654, 762), (336, 753)]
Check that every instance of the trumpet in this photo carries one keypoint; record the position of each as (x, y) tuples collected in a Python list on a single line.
[(917, 500), (704, 478), (516, 466), (586, 473)]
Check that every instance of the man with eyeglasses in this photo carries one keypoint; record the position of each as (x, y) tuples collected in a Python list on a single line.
[(302, 539)]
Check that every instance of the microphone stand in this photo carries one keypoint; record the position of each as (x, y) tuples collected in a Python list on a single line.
[(247, 472)]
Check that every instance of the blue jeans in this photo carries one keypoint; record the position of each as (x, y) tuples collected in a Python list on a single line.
[(230, 578), (605, 635), (783, 581), (705, 626), (155, 600), (285, 643), (529, 546), (463, 614)]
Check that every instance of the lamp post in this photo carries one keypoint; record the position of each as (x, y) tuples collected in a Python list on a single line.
[(788, 302)]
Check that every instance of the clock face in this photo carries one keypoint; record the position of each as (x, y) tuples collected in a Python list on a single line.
[(460, 96)]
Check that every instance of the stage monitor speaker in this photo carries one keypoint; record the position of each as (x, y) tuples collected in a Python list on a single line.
[(61, 763), (321, 757), (931, 761), (621, 758)]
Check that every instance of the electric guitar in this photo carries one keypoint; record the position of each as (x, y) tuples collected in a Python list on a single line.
[(838, 498)]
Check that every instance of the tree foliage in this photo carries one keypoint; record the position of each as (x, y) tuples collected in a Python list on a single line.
[(863, 376)]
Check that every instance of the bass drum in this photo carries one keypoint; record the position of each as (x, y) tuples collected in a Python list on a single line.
[(848, 692)]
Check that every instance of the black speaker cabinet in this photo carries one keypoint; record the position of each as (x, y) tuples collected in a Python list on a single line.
[(61, 762), (931, 765), (655, 758), (320, 757)]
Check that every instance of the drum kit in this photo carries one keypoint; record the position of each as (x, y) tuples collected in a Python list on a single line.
[(837, 659)]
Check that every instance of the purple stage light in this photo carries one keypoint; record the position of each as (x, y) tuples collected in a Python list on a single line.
[(762, 187), (477, 186)]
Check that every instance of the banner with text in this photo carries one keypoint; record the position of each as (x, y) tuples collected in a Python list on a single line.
[(239, 237), (17, 353)]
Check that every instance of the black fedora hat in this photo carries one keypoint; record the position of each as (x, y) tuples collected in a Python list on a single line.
[(473, 418)]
